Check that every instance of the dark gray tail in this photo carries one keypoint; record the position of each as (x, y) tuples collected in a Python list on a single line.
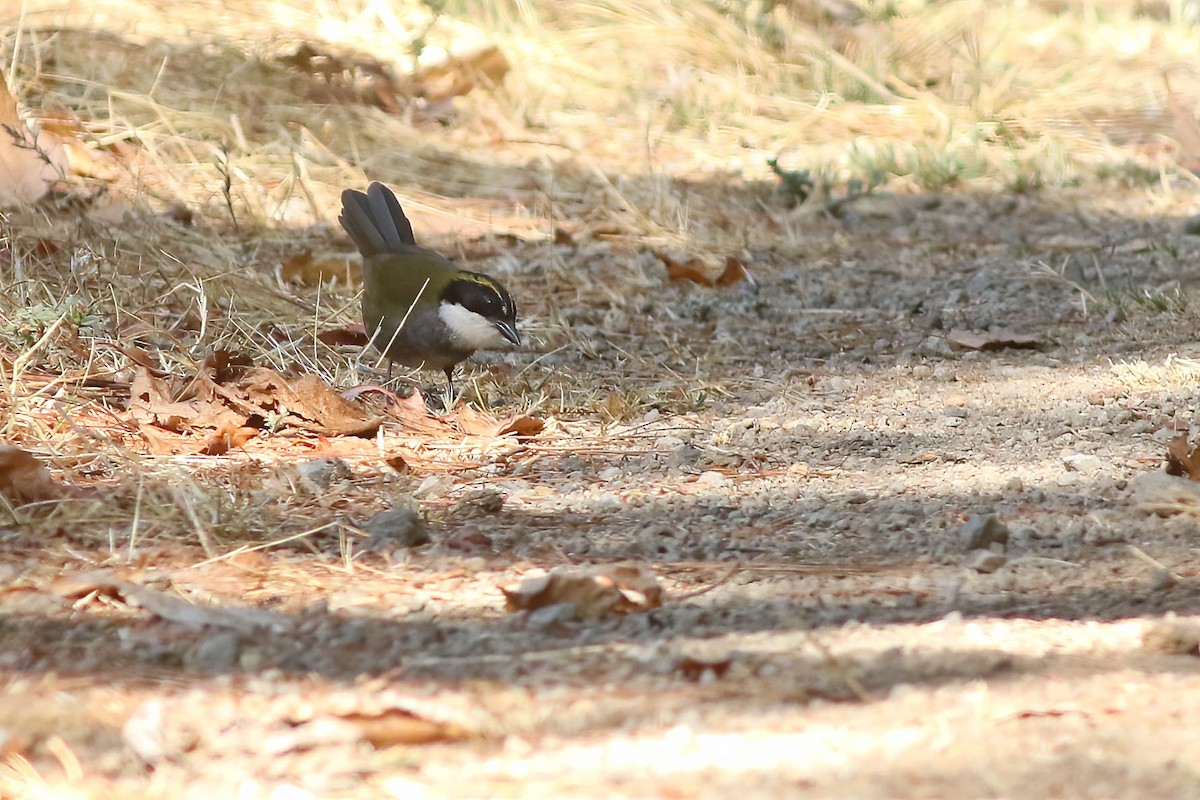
[(375, 221)]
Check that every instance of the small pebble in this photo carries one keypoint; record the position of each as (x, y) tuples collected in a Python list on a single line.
[(397, 527), (1083, 462), (986, 561), (320, 473), (982, 531)]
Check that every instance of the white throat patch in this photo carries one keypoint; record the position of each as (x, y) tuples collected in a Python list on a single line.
[(470, 331)]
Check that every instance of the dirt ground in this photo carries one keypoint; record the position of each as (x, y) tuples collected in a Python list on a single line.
[(902, 493), (825, 631)]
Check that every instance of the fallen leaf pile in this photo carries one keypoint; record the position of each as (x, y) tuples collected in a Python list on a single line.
[(589, 593), (233, 400), (229, 402)]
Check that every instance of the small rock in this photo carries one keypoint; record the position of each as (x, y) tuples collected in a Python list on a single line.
[(609, 473), (986, 561), (1163, 579), (480, 502), (922, 372), (981, 531), (979, 283), (397, 527), (553, 619), (320, 473), (1083, 462), (955, 411), (857, 498), (1014, 486), (936, 346), (1172, 635), (214, 653), (468, 539)]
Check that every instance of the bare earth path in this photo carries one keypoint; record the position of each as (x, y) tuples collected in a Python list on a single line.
[(795, 464)]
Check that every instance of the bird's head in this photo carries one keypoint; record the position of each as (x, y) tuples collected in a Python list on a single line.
[(478, 311)]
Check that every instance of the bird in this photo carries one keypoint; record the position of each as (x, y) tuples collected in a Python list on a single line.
[(418, 308)]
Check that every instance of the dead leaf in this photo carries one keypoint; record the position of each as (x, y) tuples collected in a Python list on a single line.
[(152, 400), (351, 335), (690, 270), (398, 726), (735, 272), (1182, 458), (122, 586), (23, 479), (311, 399), (994, 340), (459, 74), (476, 423), (592, 593), (695, 669), (224, 366), (230, 436), (397, 463), (30, 163), (694, 270), (306, 270)]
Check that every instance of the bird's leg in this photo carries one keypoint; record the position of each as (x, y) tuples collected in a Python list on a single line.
[(449, 387), (389, 375)]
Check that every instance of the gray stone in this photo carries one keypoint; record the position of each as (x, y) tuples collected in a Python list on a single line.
[(981, 531), (214, 653), (397, 527), (1083, 462), (320, 473), (986, 561)]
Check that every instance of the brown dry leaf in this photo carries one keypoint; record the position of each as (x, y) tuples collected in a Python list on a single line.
[(476, 423), (230, 436), (351, 335), (592, 593), (458, 75), (225, 365), (121, 585), (735, 272), (1182, 458), (397, 463), (695, 669), (690, 270), (306, 270), (151, 401), (23, 479), (414, 415), (310, 399), (994, 340), (161, 442), (29, 163), (399, 726)]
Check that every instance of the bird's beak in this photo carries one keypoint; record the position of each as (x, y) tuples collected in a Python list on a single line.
[(508, 330)]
